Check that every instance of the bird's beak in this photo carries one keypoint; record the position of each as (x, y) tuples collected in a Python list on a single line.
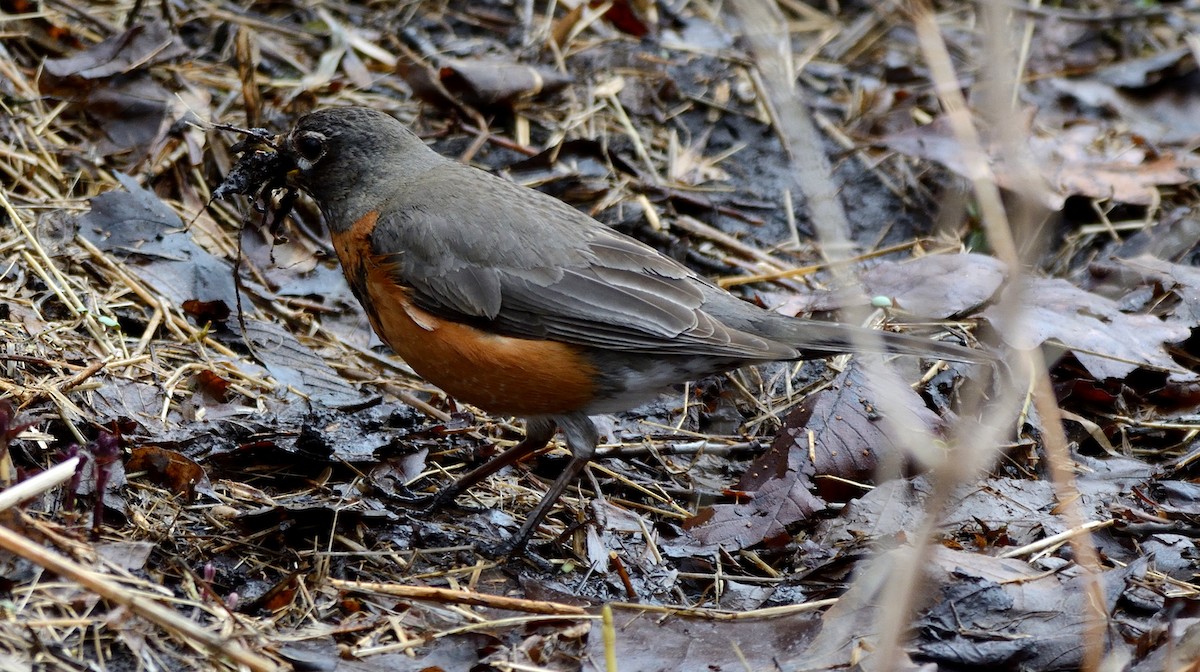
[(293, 175)]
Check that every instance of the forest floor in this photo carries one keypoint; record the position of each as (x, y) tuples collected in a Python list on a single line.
[(202, 443)]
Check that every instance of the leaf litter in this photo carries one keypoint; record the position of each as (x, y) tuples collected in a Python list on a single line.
[(259, 473)]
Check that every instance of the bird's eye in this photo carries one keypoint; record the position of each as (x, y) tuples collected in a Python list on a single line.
[(310, 145)]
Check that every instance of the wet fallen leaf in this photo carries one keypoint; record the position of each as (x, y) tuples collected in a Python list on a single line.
[(297, 525), (1159, 277), (295, 365), (1023, 509), (487, 83), (1076, 161), (676, 643), (836, 432), (1000, 614), (936, 285), (1107, 342), (1156, 95), (138, 47), (137, 227), (778, 502), (170, 470), (977, 612)]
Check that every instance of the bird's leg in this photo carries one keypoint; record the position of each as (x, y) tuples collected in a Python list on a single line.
[(538, 432), (581, 438)]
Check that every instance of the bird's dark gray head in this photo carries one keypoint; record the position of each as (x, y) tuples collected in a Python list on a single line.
[(344, 153)]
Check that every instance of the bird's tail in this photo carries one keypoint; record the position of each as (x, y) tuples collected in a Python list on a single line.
[(817, 338)]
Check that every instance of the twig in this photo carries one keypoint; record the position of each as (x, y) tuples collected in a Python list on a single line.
[(36, 485), (449, 596), (151, 610), (1055, 540)]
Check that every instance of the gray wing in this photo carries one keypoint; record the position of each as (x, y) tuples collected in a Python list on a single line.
[(549, 271)]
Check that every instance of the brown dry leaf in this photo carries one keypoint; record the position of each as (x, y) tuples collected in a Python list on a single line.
[(835, 432), (677, 643), (1078, 161), (485, 84), (1084, 161), (426, 85), (137, 48), (1155, 96), (170, 470), (1182, 282), (629, 16), (206, 312), (936, 142), (1108, 342), (937, 285)]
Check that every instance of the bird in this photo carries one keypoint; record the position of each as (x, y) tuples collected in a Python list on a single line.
[(512, 301)]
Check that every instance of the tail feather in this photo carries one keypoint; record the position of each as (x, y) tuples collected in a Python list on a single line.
[(816, 338)]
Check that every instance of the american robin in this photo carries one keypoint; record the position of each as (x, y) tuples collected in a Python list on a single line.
[(517, 303)]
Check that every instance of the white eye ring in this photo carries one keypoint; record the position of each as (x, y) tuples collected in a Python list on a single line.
[(310, 146)]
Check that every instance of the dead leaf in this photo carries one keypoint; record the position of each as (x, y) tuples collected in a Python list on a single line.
[(992, 613), (169, 469), (850, 440), (1106, 341), (677, 643), (628, 16), (128, 555), (836, 432), (978, 612), (212, 384), (1156, 95), (1160, 277), (1023, 510), (778, 503), (1081, 161), (138, 228), (295, 365), (1076, 161), (138, 47), (485, 84), (937, 285)]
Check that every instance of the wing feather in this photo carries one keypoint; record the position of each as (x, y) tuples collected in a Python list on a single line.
[(546, 270)]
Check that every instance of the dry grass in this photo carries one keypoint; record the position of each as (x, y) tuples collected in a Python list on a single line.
[(84, 331)]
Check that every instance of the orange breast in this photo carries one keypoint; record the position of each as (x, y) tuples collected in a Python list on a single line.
[(496, 373)]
